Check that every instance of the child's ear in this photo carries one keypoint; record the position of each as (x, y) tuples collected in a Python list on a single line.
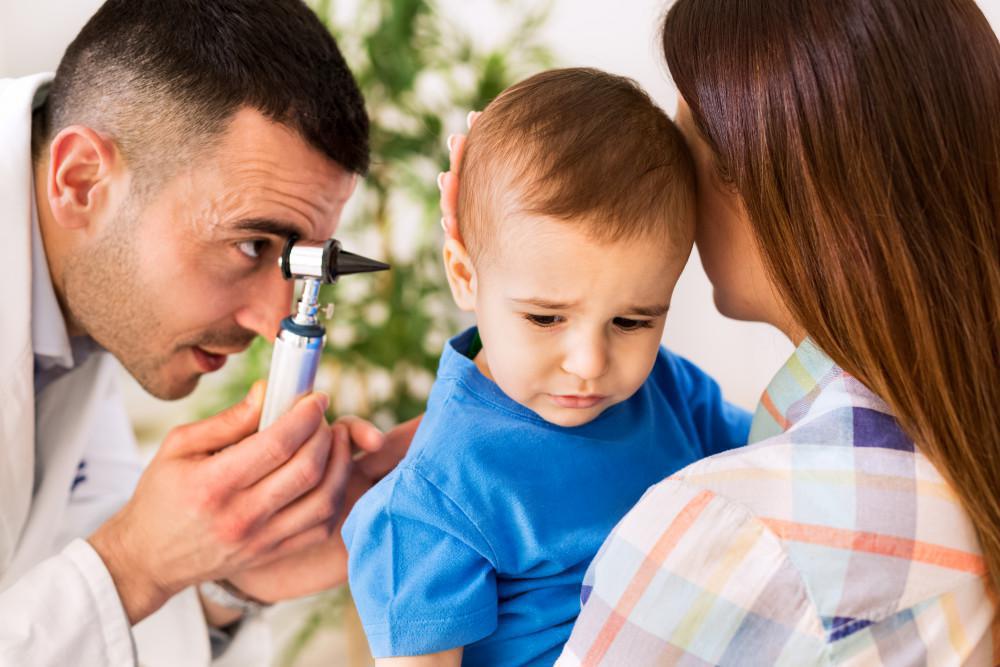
[(461, 273)]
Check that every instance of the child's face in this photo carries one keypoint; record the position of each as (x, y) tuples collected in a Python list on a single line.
[(570, 326)]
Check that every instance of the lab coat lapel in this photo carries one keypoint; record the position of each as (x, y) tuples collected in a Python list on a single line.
[(65, 413), (17, 413)]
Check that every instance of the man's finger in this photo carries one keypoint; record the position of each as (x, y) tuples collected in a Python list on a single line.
[(319, 507), (210, 435), (361, 434), (253, 458), (310, 538), (376, 464), (297, 478)]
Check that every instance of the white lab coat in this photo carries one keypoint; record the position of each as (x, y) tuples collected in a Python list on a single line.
[(58, 604)]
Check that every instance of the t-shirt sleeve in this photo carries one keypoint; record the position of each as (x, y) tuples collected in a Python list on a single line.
[(421, 573), (718, 424)]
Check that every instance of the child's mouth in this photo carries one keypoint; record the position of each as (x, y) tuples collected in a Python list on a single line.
[(577, 401)]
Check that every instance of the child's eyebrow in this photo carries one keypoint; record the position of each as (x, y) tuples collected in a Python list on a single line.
[(545, 303), (645, 311), (649, 311)]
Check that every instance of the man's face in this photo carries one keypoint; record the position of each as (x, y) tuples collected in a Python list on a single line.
[(174, 288), (571, 326)]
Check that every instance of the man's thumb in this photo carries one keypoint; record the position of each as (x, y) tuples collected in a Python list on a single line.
[(222, 430)]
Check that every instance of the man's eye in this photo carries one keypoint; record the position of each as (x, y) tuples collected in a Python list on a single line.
[(626, 324), (544, 320), (252, 249)]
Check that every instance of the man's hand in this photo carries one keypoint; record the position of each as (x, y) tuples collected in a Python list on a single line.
[(218, 499), (324, 565)]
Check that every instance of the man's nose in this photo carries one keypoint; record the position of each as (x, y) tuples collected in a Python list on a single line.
[(587, 357), (270, 302)]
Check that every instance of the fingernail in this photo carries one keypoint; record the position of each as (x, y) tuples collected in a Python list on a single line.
[(444, 225), (441, 181), (470, 119), (324, 401), (451, 142)]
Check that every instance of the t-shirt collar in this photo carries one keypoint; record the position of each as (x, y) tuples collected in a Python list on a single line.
[(456, 364)]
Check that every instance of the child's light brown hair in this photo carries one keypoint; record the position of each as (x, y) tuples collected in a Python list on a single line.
[(581, 146)]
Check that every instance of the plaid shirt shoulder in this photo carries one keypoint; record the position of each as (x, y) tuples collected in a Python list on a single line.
[(830, 540)]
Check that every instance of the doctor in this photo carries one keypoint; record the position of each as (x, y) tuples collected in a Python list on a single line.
[(147, 190)]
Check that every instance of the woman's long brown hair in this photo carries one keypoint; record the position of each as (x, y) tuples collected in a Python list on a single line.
[(864, 139)]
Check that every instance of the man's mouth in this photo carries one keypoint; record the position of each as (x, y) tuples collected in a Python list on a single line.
[(577, 401), (208, 362)]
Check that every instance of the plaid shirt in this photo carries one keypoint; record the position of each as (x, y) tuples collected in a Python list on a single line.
[(829, 540)]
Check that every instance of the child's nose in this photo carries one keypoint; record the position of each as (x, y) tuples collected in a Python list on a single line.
[(587, 359)]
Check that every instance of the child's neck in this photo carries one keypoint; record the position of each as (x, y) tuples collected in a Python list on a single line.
[(482, 364)]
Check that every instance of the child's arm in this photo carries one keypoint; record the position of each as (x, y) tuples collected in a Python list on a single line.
[(421, 572), (452, 658)]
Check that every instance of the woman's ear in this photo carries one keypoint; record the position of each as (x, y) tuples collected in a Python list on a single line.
[(461, 273), (82, 166)]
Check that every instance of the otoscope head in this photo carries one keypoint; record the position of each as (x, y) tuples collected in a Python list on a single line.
[(323, 261)]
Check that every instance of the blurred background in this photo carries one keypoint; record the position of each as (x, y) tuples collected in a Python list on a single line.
[(422, 64)]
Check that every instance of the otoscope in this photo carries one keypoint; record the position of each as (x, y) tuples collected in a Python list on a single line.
[(299, 342)]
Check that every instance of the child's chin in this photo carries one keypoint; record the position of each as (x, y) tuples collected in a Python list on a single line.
[(568, 417)]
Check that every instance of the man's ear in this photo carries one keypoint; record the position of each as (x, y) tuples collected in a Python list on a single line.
[(461, 273), (81, 170)]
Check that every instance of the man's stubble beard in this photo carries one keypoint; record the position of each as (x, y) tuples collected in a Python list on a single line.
[(106, 294)]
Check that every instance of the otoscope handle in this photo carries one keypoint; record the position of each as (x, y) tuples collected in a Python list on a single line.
[(294, 362)]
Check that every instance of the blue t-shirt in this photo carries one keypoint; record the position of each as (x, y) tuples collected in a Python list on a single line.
[(481, 536)]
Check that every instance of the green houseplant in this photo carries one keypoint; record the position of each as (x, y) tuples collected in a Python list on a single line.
[(420, 73)]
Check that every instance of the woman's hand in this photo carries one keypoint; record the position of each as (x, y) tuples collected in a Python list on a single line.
[(448, 180)]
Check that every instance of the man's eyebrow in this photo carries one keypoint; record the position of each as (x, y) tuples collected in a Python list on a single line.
[(545, 303), (268, 226)]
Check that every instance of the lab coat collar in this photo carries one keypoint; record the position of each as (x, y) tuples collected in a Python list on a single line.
[(17, 400), (49, 337)]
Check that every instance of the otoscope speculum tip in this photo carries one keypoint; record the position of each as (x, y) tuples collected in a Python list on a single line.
[(323, 261)]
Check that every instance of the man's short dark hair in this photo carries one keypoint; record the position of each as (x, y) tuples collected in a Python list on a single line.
[(164, 77)]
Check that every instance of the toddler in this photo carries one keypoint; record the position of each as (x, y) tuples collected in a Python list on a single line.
[(551, 417)]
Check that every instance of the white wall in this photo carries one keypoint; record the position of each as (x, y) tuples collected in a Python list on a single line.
[(616, 36)]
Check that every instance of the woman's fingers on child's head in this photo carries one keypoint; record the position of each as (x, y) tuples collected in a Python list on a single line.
[(448, 183), (456, 149)]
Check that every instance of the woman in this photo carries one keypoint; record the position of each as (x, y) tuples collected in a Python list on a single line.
[(848, 158)]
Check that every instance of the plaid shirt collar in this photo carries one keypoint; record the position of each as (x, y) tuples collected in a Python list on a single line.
[(793, 391)]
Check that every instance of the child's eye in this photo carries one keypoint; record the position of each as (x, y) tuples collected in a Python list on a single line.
[(252, 249), (626, 324), (543, 320)]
